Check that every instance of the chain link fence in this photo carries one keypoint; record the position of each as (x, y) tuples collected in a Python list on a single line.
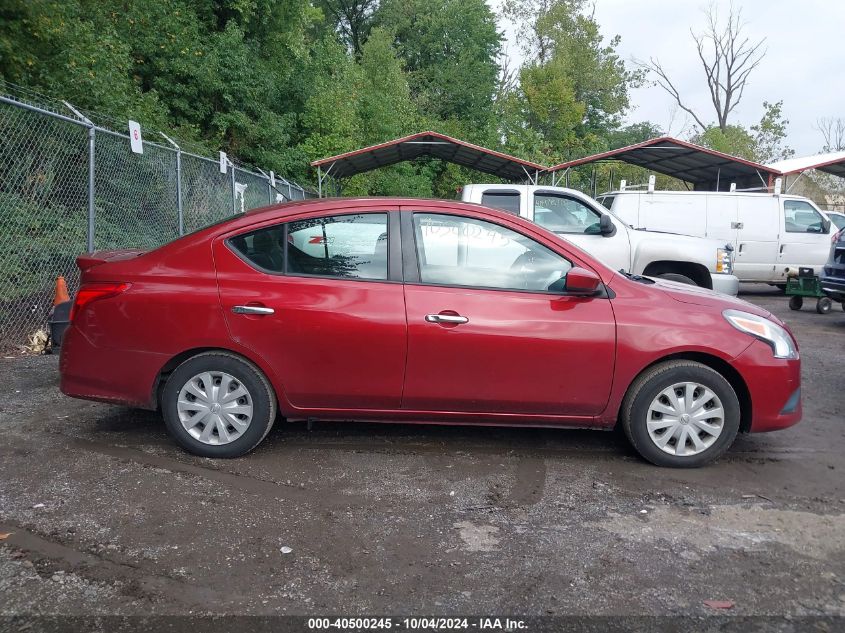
[(54, 206)]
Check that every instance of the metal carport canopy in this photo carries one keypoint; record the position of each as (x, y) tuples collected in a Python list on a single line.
[(429, 144), (685, 161), (832, 163)]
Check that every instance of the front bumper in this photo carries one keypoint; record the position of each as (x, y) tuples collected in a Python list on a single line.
[(726, 284), (774, 385)]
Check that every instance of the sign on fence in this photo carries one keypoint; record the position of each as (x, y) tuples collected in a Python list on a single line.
[(135, 140)]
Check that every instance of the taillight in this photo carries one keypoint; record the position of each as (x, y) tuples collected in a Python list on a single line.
[(93, 292)]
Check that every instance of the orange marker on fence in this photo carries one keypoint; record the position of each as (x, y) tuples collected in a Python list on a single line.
[(61, 291)]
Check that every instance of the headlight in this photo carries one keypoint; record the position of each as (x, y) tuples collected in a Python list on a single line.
[(723, 261), (767, 331)]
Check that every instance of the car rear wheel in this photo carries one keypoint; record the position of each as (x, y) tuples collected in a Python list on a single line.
[(216, 404), (681, 414)]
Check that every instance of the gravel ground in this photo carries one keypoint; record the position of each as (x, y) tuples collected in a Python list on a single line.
[(108, 517)]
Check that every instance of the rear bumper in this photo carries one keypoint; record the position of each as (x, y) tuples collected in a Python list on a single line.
[(726, 284), (834, 287), (774, 386), (108, 375)]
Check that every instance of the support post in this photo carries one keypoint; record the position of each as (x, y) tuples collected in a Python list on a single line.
[(92, 146), (234, 192), (92, 150), (319, 182), (179, 213)]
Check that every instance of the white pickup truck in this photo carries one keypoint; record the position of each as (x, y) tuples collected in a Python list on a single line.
[(584, 222)]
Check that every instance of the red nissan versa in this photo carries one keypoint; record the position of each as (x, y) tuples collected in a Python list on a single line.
[(419, 311)]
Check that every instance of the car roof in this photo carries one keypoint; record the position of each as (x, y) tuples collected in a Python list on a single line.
[(302, 207)]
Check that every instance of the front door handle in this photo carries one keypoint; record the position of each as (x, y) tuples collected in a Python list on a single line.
[(446, 318), (252, 310)]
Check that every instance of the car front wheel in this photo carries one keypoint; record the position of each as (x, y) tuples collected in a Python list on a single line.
[(681, 414), (216, 404)]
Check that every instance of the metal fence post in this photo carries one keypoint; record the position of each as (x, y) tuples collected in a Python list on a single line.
[(179, 212), (234, 193), (91, 156)]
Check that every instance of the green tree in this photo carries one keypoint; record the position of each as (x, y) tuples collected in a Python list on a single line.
[(351, 20), (574, 86), (764, 142), (770, 134), (450, 49)]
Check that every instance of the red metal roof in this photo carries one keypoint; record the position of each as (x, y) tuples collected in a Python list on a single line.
[(679, 159), (429, 144)]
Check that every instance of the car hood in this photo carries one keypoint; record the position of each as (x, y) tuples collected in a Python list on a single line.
[(685, 293)]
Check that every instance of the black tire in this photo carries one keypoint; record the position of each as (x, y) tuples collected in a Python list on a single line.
[(824, 305), (681, 279), (260, 392), (796, 302), (646, 388)]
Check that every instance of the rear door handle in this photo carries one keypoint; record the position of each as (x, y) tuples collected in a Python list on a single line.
[(252, 310), (446, 318)]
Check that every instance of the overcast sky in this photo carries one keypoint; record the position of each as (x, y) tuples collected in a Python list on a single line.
[(804, 65)]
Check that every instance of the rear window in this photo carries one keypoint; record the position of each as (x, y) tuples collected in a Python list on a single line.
[(606, 202), (504, 200)]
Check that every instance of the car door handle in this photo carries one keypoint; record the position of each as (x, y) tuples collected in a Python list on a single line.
[(446, 318), (252, 310)]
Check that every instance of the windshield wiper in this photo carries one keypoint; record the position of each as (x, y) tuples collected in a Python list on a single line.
[(637, 278)]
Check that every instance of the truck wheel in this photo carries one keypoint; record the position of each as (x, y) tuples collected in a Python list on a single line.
[(824, 305), (681, 414), (796, 302), (681, 279)]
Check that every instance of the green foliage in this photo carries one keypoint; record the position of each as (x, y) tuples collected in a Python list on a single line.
[(573, 90), (770, 134), (734, 140), (450, 49), (763, 143)]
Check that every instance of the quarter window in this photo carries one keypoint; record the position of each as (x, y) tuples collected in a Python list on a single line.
[(801, 217), (460, 251), (262, 247), (562, 214)]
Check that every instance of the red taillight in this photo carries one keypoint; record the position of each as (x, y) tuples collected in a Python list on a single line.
[(93, 292)]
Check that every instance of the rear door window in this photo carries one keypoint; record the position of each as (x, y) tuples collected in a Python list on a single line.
[(352, 246), (505, 200)]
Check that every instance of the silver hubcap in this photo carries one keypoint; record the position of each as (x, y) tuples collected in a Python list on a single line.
[(215, 408), (685, 419)]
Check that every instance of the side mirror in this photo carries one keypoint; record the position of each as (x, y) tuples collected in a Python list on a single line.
[(825, 226), (582, 282), (606, 226)]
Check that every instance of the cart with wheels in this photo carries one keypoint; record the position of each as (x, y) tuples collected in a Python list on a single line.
[(807, 284)]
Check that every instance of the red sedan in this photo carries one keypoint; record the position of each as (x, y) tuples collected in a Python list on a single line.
[(419, 311)]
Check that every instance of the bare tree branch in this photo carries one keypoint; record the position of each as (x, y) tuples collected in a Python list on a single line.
[(727, 58), (833, 131)]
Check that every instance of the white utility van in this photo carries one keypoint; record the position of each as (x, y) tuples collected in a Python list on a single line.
[(582, 221), (772, 235)]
